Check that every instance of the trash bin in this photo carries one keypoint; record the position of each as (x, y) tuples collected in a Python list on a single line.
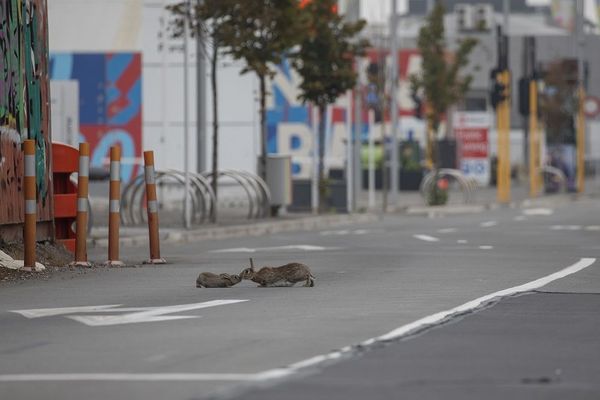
[(279, 181)]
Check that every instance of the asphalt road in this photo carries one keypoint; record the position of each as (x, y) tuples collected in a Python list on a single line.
[(371, 279)]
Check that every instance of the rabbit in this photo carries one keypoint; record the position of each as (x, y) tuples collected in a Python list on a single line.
[(286, 275), (210, 280)]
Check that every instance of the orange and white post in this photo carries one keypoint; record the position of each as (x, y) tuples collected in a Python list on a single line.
[(82, 206), (29, 228), (152, 208), (114, 207)]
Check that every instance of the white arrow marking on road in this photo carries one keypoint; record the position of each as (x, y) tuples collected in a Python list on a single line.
[(48, 312), (488, 224), (305, 247), (426, 238), (142, 314)]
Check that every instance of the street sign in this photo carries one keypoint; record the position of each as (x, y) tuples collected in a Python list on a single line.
[(132, 315), (471, 130)]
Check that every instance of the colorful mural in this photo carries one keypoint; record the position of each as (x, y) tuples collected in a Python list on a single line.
[(110, 99), (24, 105), (289, 123)]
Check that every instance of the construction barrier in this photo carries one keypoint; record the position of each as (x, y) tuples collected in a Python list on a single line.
[(64, 164)]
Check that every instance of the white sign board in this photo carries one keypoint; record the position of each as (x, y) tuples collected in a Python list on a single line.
[(471, 130), (64, 111)]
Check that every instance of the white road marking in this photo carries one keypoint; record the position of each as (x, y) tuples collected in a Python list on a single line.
[(426, 238), (462, 241), (486, 247), (344, 232), (520, 218), (566, 227), (48, 312), (488, 224), (141, 314), (446, 230), (126, 377), (277, 373), (538, 211), (305, 247), (592, 228)]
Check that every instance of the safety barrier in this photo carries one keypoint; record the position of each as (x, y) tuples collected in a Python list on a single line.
[(203, 202), (64, 164), (467, 185)]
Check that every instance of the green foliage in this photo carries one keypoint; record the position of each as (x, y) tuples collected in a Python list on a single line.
[(440, 80), (260, 32), (326, 54)]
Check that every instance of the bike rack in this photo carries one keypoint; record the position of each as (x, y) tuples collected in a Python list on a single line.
[(467, 185)]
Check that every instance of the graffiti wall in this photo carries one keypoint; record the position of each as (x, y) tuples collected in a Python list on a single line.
[(110, 99), (290, 125), (24, 105)]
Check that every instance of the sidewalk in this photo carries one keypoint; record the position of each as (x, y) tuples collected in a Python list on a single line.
[(409, 203)]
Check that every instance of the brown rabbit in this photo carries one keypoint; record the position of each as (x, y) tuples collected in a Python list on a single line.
[(286, 275), (210, 280)]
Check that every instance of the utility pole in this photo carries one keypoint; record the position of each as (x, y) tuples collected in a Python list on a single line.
[(201, 164), (580, 140), (394, 105), (186, 137), (501, 101)]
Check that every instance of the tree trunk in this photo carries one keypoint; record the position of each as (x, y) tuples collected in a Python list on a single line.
[(322, 183), (262, 168), (215, 155)]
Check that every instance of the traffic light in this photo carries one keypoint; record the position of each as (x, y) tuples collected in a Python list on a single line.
[(524, 96), (498, 90)]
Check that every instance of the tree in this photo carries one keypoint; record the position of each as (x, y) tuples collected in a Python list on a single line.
[(260, 32), (205, 19), (440, 80), (325, 62)]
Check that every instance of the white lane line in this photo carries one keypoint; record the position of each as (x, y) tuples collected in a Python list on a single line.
[(488, 224), (426, 238), (126, 377), (446, 230), (294, 368), (538, 211), (462, 241), (304, 247), (486, 247), (520, 218), (592, 228)]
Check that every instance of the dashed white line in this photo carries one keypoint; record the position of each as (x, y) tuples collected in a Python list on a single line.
[(446, 230), (426, 238), (538, 211), (520, 218), (488, 224), (462, 241), (486, 247)]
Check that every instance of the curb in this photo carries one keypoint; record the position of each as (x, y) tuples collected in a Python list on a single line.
[(257, 229)]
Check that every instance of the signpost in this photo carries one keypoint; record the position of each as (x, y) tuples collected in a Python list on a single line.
[(471, 130)]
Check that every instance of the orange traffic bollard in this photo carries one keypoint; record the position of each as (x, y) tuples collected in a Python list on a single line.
[(114, 207), (82, 206), (152, 208), (29, 228)]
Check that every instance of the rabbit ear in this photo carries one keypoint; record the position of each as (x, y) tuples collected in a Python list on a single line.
[(251, 264)]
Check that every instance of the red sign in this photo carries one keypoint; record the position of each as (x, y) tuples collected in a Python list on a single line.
[(473, 142)]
